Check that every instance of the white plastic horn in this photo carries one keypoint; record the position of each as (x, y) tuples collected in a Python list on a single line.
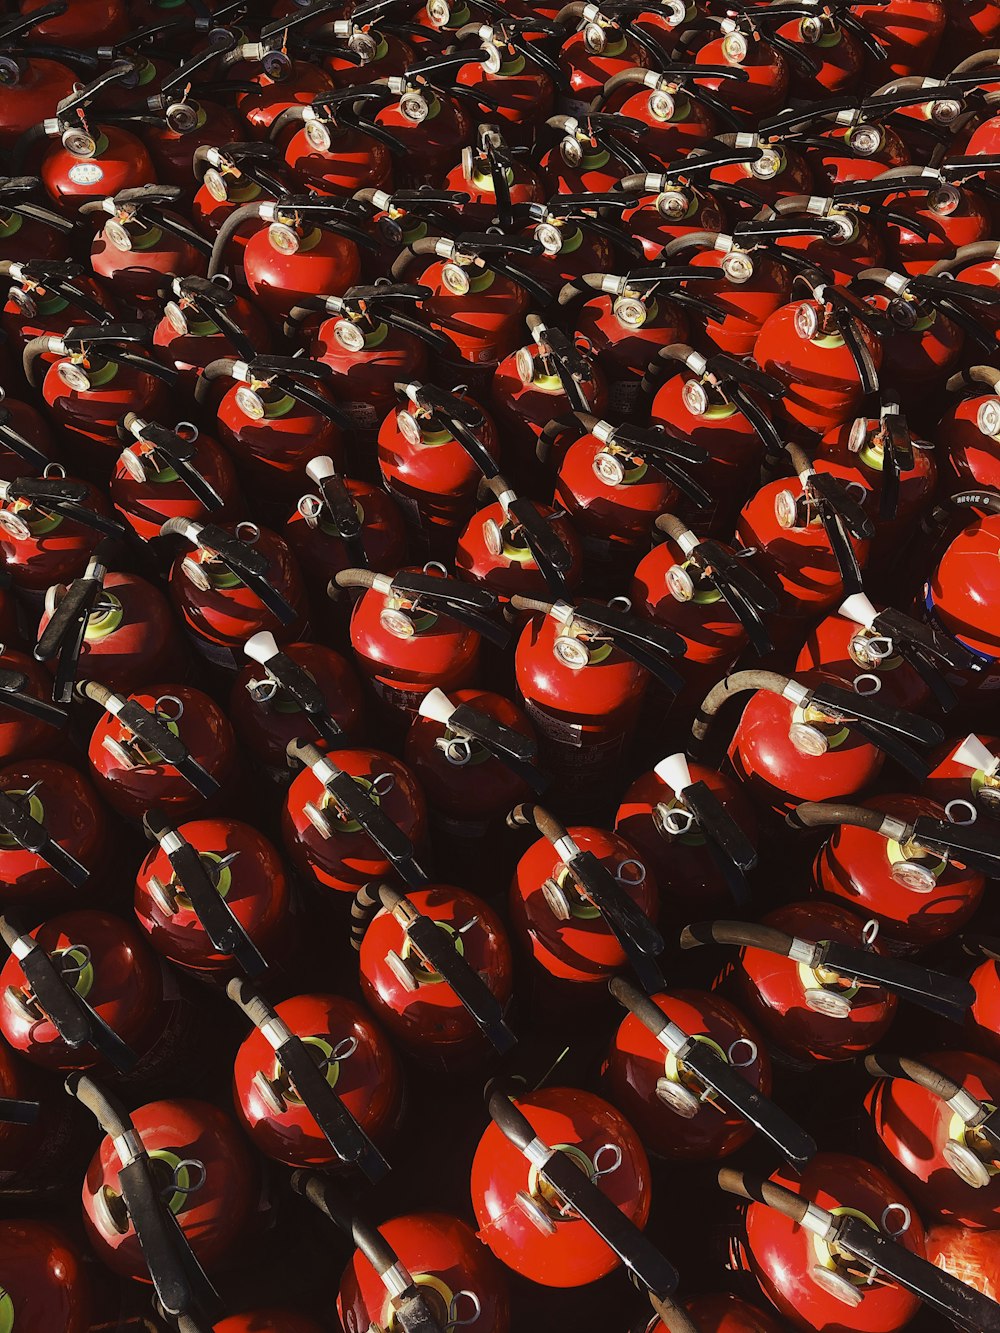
[(973, 754), (437, 706), (261, 647), (858, 607), (319, 469), (674, 772)]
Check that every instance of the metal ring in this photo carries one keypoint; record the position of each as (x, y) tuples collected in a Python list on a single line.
[(616, 1154), (245, 526), (624, 879), (857, 486), (187, 430), (187, 1163), (476, 1309), (223, 280), (436, 564), (72, 968), (172, 699), (960, 803), (310, 507), (900, 1208), (383, 784), (624, 602), (344, 1050), (874, 681), (750, 1045), (869, 932), (54, 470)]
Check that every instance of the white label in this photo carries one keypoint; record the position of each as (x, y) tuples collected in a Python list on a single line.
[(85, 173), (565, 733)]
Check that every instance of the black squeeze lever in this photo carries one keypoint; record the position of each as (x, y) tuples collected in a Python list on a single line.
[(170, 450), (701, 806), (226, 933), (717, 1075), (453, 414), (213, 303), (152, 733), (179, 1281), (436, 947), (471, 605), (551, 556), (638, 937), (294, 683), (468, 726), (58, 276), (337, 501), (64, 635), (410, 1310), (18, 823), (60, 497), (249, 565), (340, 1129), (69, 1013), (357, 805), (564, 358), (839, 514), (13, 695), (645, 1264), (652, 445)]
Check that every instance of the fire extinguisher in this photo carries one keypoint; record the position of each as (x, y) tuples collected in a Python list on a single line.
[(239, 579), (44, 1278), (433, 452), (932, 1117), (591, 154), (343, 523), (582, 671), (425, 1270), (677, 114), (474, 755), (600, 45), (561, 1191), (715, 407), (170, 1235), (273, 418), (140, 753), (47, 297), (513, 69), (83, 991), (417, 629), (50, 527), (517, 546), (316, 1084), (115, 627), (860, 1263), (583, 905), (825, 1000), (969, 427), (94, 158), (967, 773), (536, 385), (577, 236), (352, 817), (98, 375), (756, 169), (908, 659), (841, 250), (335, 148), (171, 473), (813, 739), (143, 243), (29, 723), (844, 146), (479, 298), (493, 180), (371, 342), (662, 206), (36, 74), (957, 594), (368, 52), (25, 442), (832, 39), (399, 218), (679, 1060), (309, 245), (228, 177), (695, 830), (811, 539), (283, 80), (204, 322), (281, 689), (53, 829), (436, 970), (899, 860), (20, 243), (767, 59), (909, 33)]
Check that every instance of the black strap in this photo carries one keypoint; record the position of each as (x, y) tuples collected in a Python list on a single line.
[(157, 736), (250, 567), (636, 934), (178, 453), (12, 695), (17, 444), (65, 633), (14, 1111), (17, 821), (358, 805), (935, 991)]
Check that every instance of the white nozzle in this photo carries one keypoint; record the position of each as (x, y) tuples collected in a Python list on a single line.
[(437, 706), (674, 772), (561, 611), (411, 391), (241, 371), (612, 284), (972, 753), (858, 608), (261, 647), (320, 469)]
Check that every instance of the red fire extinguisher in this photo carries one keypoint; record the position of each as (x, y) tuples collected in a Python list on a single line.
[(352, 817), (560, 1186), (969, 427), (433, 453), (909, 34), (582, 671), (368, 51), (766, 58), (436, 970), (591, 154), (316, 1084), (308, 245), (281, 690), (824, 1000), (577, 236), (933, 1118), (47, 297), (97, 375), (212, 897), (423, 108), (44, 1277), (517, 546), (695, 830), (94, 158), (115, 627), (228, 177), (957, 595), (899, 860), (54, 832), (274, 417), (272, 63), (679, 1060), (209, 1208), (50, 527), (858, 1263), (36, 74), (827, 50), (335, 147), (171, 473), (662, 206), (599, 44), (830, 235), (400, 217), (83, 991), (583, 904), (20, 243), (425, 1269), (25, 443), (29, 724), (203, 322), (844, 146), (814, 739), (418, 629), (140, 754), (677, 114), (967, 773), (239, 579), (513, 69)]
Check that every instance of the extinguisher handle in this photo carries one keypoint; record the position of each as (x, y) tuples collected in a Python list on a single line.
[(218, 42), (109, 1113), (13, 696), (178, 454), (295, 683), (16, 1111), (18, 23), (62, 1006), (512, 1122), (471, 606), (884, 1065), (63, 636), (323, 1194), (122, 71), (757, 1189), (977, 849), (738, 934)]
